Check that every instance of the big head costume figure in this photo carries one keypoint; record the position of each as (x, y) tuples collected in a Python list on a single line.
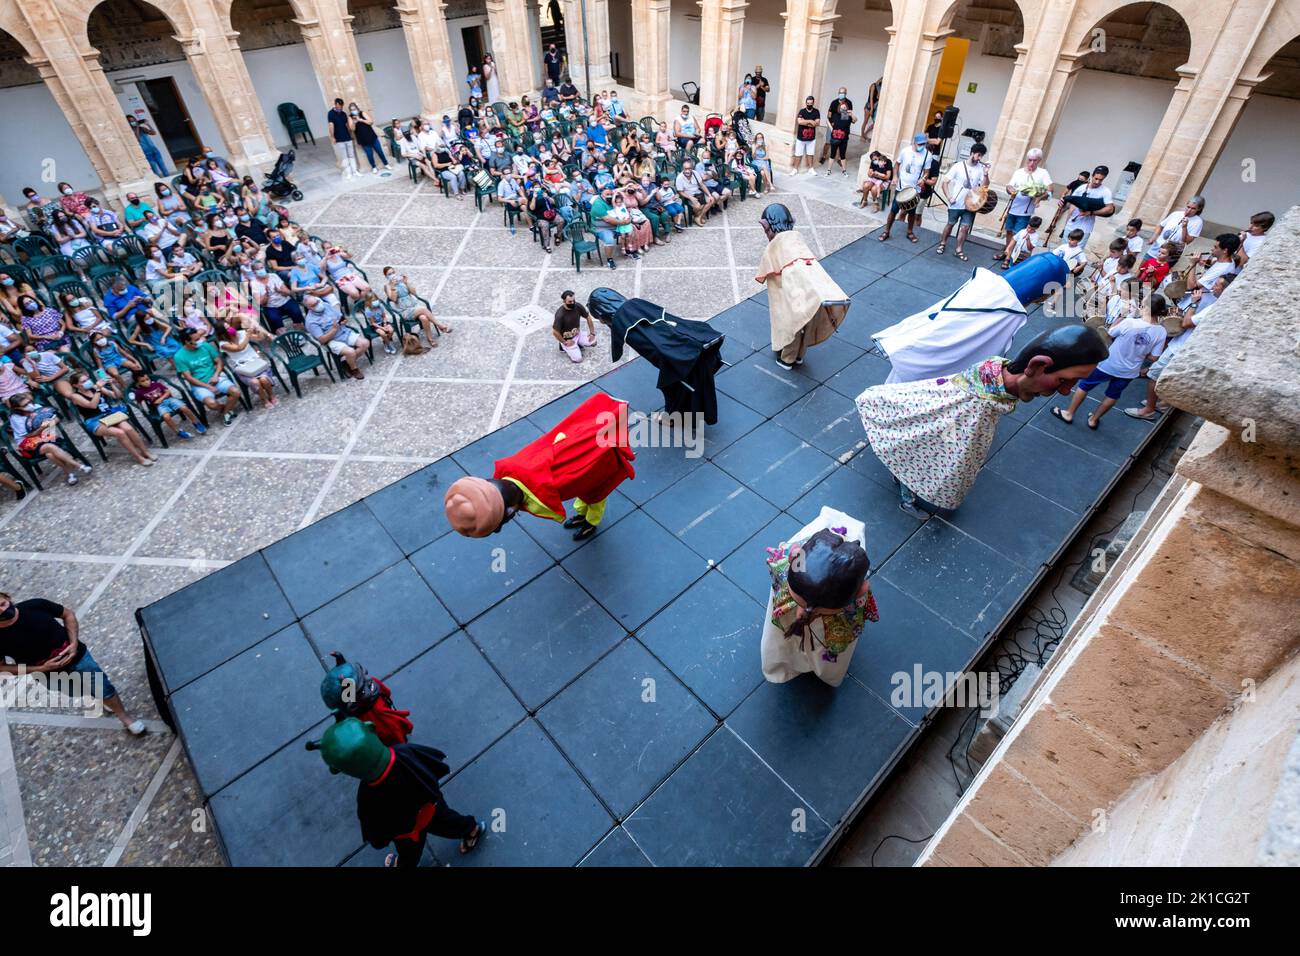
[(585, 457), (820, 600), (805, 306), (348, 691), (398, 798), (934, 435)]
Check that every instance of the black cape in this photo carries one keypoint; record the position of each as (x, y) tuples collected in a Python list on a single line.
[(687, 354), (390, 808)]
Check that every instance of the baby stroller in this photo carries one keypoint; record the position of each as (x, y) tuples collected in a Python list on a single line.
[(278, 185)]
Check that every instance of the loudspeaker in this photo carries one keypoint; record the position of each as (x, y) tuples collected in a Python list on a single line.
[(949, 122)]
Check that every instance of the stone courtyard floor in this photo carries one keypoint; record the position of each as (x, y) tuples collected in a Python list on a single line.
[(79, 791)]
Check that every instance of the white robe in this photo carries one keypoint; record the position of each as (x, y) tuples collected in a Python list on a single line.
[(782, 659), (979, 319)]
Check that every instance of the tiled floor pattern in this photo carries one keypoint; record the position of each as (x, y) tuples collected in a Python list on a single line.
[(73, 791)]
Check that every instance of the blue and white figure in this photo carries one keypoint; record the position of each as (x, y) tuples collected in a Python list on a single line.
[(978, 320)]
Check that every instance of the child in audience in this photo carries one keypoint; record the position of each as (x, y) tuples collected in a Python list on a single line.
[(159, 396), (109, 359), (1075, 259), (1023, 244)]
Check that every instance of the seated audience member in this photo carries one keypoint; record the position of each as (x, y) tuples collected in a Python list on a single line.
[(200, 365), (325, 324), (36, 436), (236, 341), (162, 400), (691, 189), (80, 317), (99, 403), (109, 358), (401, 294), (380, 320), (105, 227), (42, 325), (154, 334), (46, 367)]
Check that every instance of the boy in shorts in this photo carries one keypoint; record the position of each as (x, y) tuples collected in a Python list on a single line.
[(158, 396)]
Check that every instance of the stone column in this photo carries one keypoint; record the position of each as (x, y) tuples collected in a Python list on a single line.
[(1202, 607), (650, 32), (333, 52), (77, 82), (214, 56), (808, 28), (512, 47), (597, 51), (722, 23), (424, 24)]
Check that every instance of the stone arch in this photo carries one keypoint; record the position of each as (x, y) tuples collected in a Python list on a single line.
[(945, 11), (79, 12), (1086, 19)]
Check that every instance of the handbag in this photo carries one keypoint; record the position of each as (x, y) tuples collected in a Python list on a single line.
[(116, 415)]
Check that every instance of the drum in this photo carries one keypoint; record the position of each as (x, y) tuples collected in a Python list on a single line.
[(907, 199), (1173, 325), (990, 204), (1175, 289)]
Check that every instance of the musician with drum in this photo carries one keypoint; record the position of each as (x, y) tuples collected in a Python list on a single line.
[(1087, 201), (913, 172), (1180, 228), (965, 187), (1029, 184)]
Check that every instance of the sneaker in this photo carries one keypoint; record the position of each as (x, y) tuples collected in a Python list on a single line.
[(1141, 413), (136, 728), (390, 349), (844, 172), (610, 263), (84, 469), (634, 255), (227, 418), (785, 365), (72, 479), (201, 428), (147, 463), (183, 435), (798, 361)]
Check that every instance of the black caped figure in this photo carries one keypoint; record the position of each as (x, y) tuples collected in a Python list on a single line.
[(398, 799), (687, 354)]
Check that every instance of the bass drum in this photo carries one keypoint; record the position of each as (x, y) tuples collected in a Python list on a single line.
[(907, 199)]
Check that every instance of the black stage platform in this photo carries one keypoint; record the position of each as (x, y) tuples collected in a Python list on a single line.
[(533, 678)]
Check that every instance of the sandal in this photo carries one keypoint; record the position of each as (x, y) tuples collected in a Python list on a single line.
[(1061, 415), (883, 237), (912, 238), (1093, 423), (471, 841), (962, 256), (939, 251)]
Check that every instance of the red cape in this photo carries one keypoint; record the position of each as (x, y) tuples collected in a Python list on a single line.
[(589, 461)]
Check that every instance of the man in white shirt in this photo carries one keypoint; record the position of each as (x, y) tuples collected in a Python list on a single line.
[(429, 140), (1029, 184), (691, 188), (911, 170), (962, 179), (1221, 264), (1093, 190), (1180, 228), (1254, 237)]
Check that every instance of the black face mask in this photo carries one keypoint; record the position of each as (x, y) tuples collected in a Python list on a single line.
[(8, 614)]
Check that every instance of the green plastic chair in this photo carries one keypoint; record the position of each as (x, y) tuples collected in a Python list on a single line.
[(300, 353), (579, 244)]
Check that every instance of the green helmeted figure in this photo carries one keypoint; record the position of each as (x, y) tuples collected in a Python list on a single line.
[(398, 798)]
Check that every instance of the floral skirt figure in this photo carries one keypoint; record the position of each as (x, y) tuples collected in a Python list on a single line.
[(820, 602)]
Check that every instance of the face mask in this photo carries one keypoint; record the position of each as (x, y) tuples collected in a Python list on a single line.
[(275, 241), (148, 321), (261, 273), (245, 218), (318, 308), (353, 112), (30, 308), (8, 281), (67, 191), (86, 387), (166, 192), (100, 343)]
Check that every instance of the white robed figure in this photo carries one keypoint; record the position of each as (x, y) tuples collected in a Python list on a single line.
[(827, 559), (978, 320)]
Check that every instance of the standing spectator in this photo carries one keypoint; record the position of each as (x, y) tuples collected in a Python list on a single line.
[(840, 124), (490, 81), (805, 135), (341, 132), (201, 366), (832, 111), (761, 88), (42, 637), (554, 63), (567, 327), (474, 80), (1028, 185), (144, 134), (363, 130)]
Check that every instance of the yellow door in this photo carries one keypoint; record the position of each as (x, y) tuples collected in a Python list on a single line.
[(950, 66)]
